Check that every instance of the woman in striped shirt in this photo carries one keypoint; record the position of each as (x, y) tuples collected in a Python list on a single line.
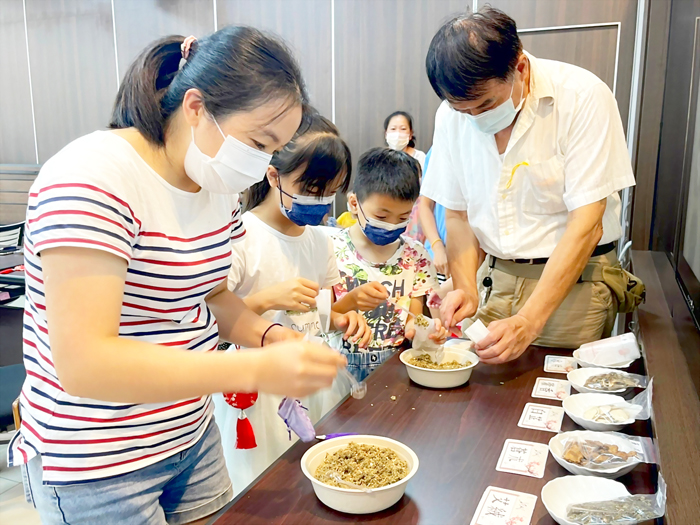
[(128, 245)]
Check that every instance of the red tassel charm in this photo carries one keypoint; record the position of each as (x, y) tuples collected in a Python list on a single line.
[(241, 400), (245, 437)]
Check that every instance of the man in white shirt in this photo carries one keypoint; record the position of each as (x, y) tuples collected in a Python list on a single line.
[(528, 158)]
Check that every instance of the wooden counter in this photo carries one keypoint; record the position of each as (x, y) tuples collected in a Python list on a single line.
[(457, 434), (671, 347)]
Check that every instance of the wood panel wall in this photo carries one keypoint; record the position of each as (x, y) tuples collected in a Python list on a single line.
[(362, 59)]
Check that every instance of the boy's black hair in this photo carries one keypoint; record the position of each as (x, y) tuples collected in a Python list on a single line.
[(384, 171), (470, 50), (319, 150), (409, 118)]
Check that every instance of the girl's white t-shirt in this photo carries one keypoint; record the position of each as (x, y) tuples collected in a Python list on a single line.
[(265, 258)]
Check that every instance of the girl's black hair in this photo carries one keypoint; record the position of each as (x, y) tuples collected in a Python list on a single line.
[(317, 149), (412, 142), (237, 68)]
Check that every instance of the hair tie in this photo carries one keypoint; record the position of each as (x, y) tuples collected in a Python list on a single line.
[(185, 49)]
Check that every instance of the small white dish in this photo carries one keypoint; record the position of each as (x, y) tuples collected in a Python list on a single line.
[(575, 406), (557, 444), (586, 364), (354, 501), (578, 379), (443, 378), (559, 493)]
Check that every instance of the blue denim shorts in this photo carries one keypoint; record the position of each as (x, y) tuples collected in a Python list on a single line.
[(187, 486), (362, 364)]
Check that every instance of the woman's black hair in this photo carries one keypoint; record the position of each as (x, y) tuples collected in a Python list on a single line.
[(409, 118), (237, 68), (470, 50), (317, 149)]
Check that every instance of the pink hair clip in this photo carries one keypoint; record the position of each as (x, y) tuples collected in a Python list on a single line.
[(186, 45)]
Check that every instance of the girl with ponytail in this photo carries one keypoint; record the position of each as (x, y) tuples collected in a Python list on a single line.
[(128, 245), (280, 270)]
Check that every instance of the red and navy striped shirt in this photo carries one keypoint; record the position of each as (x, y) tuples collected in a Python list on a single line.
[(99, 193)]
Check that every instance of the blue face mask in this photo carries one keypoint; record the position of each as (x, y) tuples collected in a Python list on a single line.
[(307, 210), (381, 233)]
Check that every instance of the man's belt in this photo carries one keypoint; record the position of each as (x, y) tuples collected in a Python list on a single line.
[(599, 250), (533, 268)]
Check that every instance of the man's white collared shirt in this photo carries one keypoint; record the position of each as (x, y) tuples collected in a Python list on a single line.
[(567, 150)]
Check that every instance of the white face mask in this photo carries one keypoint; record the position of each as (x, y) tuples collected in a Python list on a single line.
[(500, 117), (397, 140), (235, 167)]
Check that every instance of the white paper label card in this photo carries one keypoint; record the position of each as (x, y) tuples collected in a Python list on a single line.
[(542, 417), (548, 388), (559, 364), (504, 507), (523, 457)]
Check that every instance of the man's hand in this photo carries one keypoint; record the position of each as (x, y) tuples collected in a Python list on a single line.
[(369, 295), (507, 340), (457, 306)]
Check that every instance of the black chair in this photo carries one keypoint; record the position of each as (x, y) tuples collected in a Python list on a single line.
[(11, 380), (11, 234)]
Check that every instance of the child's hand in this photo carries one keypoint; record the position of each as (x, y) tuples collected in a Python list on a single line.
[(298, 295), (370, 295), (410, 331), (440, 335), (354, 326)]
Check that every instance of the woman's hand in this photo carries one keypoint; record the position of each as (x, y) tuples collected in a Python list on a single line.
[(354, 326), (369, 295), (297, 295), (296, 369), (278, 334)]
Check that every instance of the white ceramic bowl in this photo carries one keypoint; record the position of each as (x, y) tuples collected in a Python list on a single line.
[(586, 364), (443, 378), (562, 492), (556, 447), (578, 378), (354, 501), (575, 406)]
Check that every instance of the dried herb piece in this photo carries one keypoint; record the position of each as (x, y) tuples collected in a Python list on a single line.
[(611, 381), (589, 453), (627, 510), (606, 414), (425, 361), (365, 465), (422, 321)]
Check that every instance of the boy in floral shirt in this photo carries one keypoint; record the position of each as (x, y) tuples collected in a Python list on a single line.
[(378, 265)]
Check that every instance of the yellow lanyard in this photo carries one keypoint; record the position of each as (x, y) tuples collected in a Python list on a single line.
[(512, 173)]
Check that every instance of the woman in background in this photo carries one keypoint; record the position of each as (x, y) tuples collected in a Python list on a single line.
[(398, 133)]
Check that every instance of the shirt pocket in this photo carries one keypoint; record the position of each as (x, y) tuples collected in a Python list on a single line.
[(543, 187)]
